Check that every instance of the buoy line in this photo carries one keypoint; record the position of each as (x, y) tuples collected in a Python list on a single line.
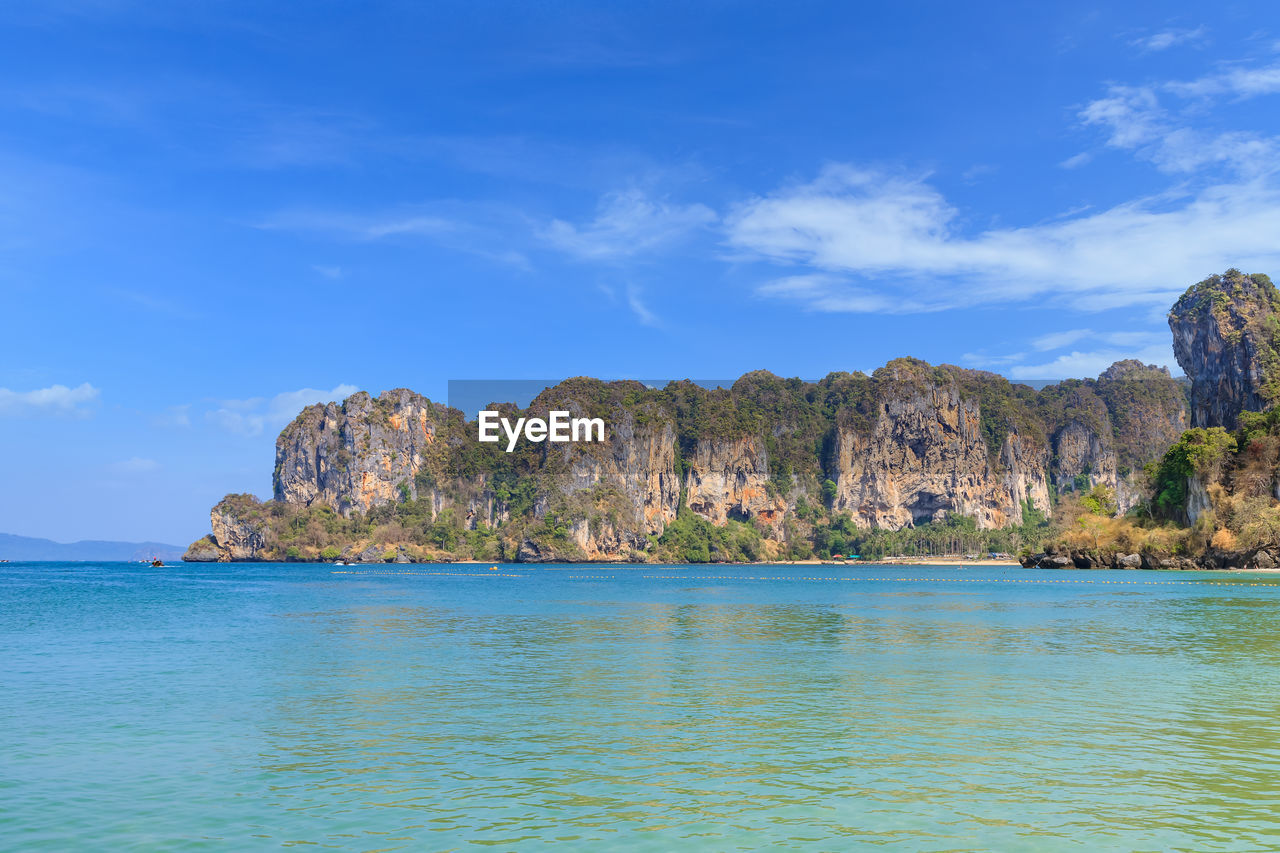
[(1061, 581), (1057, 581), (443, 574)]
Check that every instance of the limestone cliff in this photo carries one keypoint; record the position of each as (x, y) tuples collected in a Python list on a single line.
[(728, 478), (1226, 330), (399, 477), (1103, 431), (611, 495), (926, 456), (357, 455), (240, 533)]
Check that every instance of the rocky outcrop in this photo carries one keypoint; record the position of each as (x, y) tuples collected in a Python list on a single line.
[(203, 551), (1225, 338), (1026, 481), (1104, 431), (1079, 452), (357, 455), (239, 533), (729, 479), (1211, 559), (613, 494), (926, 456)]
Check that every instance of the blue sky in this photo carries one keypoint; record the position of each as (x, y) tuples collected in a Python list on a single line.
[(212, 214)]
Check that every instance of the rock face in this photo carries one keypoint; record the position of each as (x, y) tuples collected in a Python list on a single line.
[(239, 534), (1080, 452), (729, 479), (926, 457), (614, 494), (1103, 431), (357, 455), (1225, 332)]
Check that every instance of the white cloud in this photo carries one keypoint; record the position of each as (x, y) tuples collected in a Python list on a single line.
[(54, 400), (1240, 82), (976, 172), (358, 227), (1187, 150), (1131, 113), (1148, 346), (642, 312), (834, 293), (422, 226), (1092, 362), (473, 229), (902, 236), (848, 219), (134, 465), (1067, 337), (1137, 121), (627, 223), (1168, 38), (1076, 160), (1145, 340), (174, 416), (1057, 340), (253, 416), (994, 362)]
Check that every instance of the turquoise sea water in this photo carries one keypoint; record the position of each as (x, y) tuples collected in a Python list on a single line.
[(679, 708)]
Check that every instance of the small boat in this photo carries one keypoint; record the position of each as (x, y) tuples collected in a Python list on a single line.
[(157, 564), (341, 563)]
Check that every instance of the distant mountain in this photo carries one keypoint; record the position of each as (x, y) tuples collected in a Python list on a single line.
[(28, 548)]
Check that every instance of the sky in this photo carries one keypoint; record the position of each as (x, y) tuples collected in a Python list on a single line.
[(214, 214)]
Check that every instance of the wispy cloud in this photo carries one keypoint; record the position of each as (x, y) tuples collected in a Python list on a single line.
[(255, 415), (1135, 120), (837, 294), (871, 240), (977, 172), (1091, 362), (486, 231), (331, 272), (151, 302), (627, 223), (877, 242), (134, 465), (1056, 340), (174, 416), (1166, 39), (1132, 114), (638, 307), (1239, 82), (54, 400), (1148, 346)]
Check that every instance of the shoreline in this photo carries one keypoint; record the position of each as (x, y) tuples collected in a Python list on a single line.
[(891, 562)]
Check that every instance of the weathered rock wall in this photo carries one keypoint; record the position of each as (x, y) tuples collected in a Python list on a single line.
[(1225, 337)]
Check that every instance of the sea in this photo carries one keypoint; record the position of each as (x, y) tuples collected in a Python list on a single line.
[(655, 708)]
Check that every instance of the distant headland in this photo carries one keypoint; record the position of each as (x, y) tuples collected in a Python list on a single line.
[(14, 547)]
